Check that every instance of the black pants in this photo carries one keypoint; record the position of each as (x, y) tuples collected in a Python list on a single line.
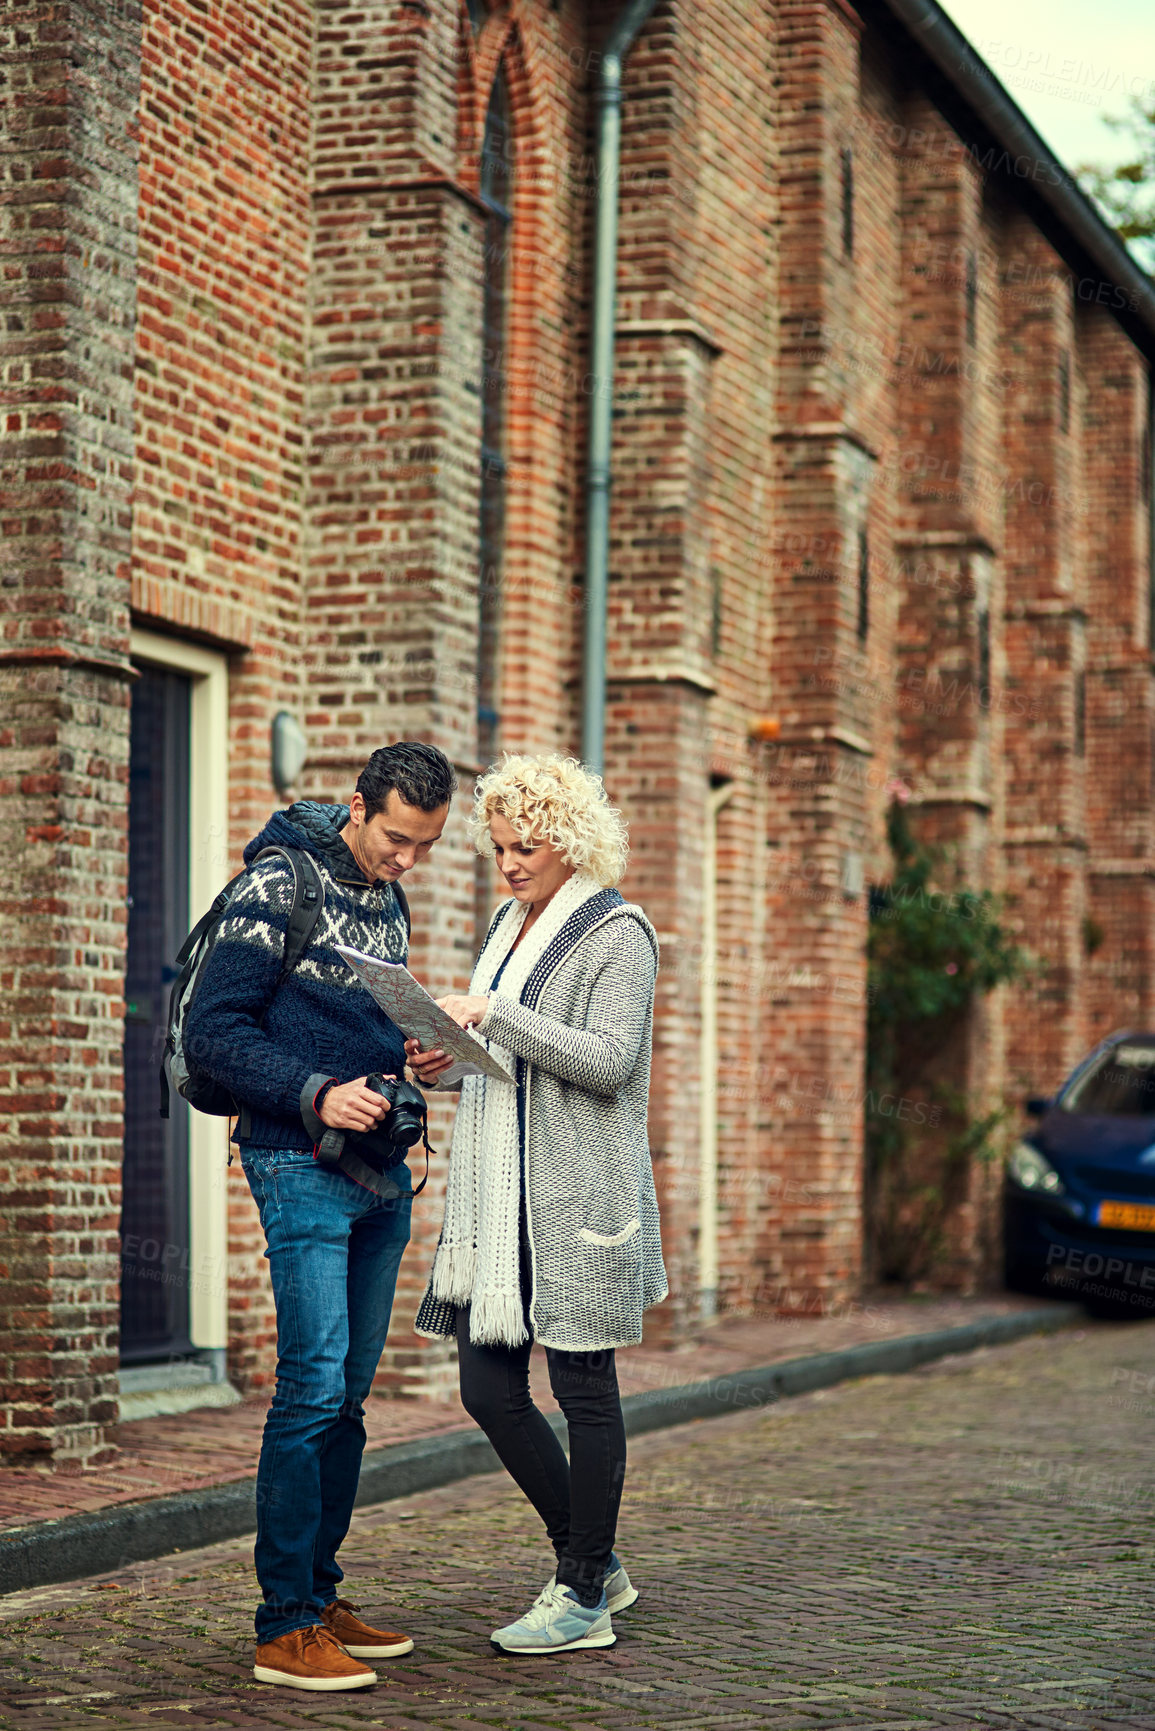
[(578, 1502)]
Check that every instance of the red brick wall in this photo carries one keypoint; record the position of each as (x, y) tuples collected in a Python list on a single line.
[(950, 404), (776, 394), (69, 227), (832, 415), (1120, 770), (307, 302), (222, 282), (393, 406), (1046, 601)]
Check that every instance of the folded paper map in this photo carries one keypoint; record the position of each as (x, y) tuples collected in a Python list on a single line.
[(419, 1018)]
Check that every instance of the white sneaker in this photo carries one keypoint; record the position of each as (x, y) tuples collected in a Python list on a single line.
[(619, 1589), (557, 1622)]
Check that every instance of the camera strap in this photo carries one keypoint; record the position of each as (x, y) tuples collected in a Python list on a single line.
[(331, 1151)]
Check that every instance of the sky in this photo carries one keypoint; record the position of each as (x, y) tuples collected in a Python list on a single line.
[(1067, 63)]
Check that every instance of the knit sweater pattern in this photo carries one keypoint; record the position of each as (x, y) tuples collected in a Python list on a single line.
[(321, 1020)]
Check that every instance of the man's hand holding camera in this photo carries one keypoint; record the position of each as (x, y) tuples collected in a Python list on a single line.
[(352, 1106), (361, 1106)]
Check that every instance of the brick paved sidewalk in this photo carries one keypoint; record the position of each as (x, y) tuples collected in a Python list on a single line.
[(194, 1450), (967, 1546)]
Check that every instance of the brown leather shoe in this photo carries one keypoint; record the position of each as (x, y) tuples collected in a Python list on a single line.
[(310, 1659), (358, 1638)]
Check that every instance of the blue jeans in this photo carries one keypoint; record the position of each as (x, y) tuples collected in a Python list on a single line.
[(334, 1249)]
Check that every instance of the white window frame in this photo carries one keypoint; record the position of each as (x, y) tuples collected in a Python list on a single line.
[(208, 871)]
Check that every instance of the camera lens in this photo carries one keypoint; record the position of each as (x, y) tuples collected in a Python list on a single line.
[(405, 1126)]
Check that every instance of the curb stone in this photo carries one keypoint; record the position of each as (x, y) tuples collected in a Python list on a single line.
[(128, 1533)]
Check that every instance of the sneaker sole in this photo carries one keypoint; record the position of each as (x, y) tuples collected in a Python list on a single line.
[(320, 1685), (620, 1601), (394, 1652), (606, 1640)]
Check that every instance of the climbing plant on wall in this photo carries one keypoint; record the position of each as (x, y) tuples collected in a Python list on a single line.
[(935, 949)]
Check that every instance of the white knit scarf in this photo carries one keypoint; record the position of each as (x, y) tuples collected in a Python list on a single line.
[(477, 1260)]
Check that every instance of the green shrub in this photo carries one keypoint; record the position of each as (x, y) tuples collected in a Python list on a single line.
[(933, 952)]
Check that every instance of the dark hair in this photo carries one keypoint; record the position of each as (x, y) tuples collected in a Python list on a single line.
[(421, 775)]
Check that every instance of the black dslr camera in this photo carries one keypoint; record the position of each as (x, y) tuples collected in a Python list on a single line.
[(368, 1155), (404, 1123)]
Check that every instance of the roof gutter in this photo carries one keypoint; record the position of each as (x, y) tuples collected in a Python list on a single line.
[(600, 381), (1052, 183)]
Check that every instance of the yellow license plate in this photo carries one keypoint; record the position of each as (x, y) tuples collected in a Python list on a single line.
[(1139, 1216)]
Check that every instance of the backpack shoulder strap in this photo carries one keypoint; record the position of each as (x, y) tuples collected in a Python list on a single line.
[(305, 911), (308, 900), (403, 904), (207, 920)]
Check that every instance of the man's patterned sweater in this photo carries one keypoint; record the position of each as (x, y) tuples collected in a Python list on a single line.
[(322, 1021)]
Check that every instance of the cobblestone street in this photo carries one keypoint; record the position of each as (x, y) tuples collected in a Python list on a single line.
[(967, 1546)]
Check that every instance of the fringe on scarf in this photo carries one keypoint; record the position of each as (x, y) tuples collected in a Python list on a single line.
[(497, 1318), (454, 1271)]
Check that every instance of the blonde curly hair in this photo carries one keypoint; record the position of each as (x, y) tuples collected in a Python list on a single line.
[(555, 799)]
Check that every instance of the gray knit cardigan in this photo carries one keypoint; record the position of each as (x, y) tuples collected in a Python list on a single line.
[(584, 1052)]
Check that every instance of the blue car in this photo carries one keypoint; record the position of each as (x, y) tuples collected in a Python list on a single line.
[(1080, 1187)]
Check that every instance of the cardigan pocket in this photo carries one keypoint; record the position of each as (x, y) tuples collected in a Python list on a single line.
[(611, 1241)]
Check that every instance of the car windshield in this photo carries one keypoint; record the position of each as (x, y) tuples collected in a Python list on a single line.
[(1120, 1085)]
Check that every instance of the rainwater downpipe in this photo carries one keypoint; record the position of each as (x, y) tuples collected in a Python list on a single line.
[(716, 798), (600, 380)]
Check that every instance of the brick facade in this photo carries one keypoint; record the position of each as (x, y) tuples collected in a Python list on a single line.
[(880, 508), (70, 248)]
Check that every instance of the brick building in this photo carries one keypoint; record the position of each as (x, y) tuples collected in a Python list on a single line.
[(297, 390)]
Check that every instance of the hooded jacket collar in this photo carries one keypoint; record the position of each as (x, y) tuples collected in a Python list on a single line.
[(315, 828)]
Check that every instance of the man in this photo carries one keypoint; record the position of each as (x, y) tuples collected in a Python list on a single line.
[(295, 1053)]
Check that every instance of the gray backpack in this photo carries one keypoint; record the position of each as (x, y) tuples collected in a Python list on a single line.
[(179, 1068)]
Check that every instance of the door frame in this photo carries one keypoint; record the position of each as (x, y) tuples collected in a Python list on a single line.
[(208, 671)]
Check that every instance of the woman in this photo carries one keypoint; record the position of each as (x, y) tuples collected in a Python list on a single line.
[(551, 1222)]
